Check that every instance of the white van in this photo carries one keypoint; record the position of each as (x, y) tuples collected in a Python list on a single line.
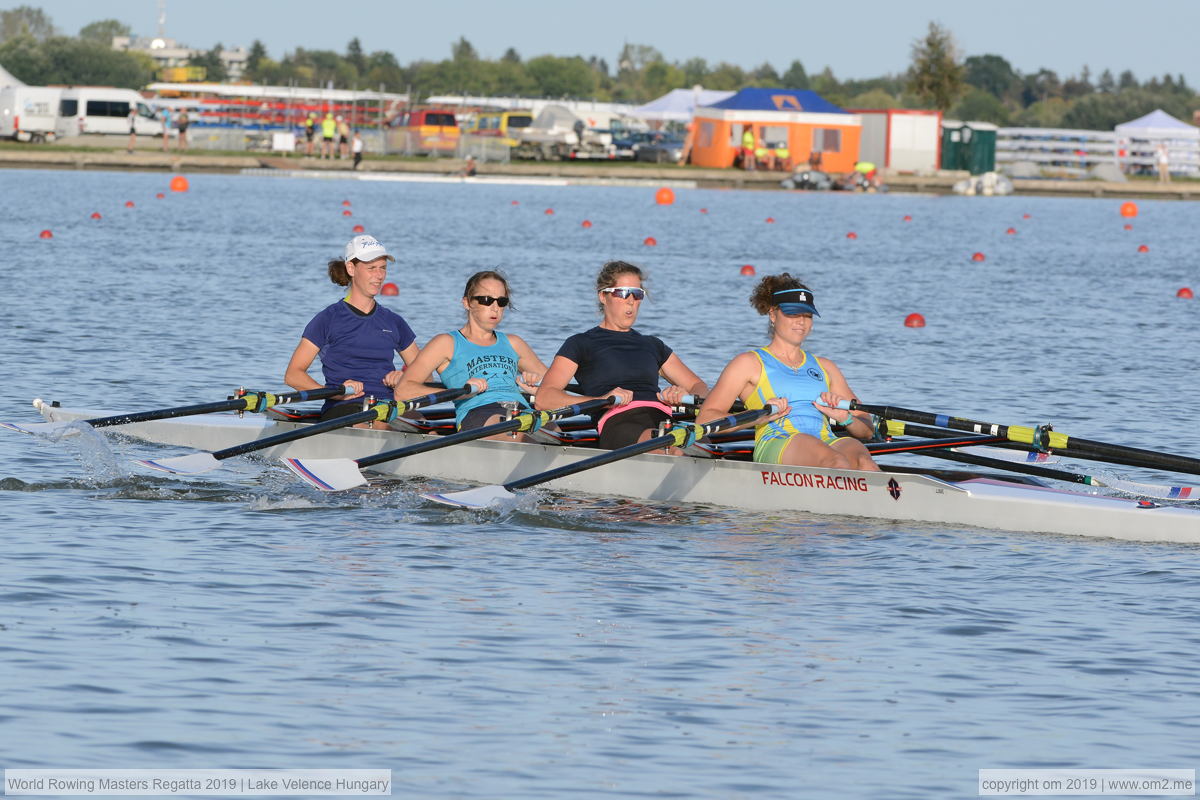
[(29, 113), (99, 109)]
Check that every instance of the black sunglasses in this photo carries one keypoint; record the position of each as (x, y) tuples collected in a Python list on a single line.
[(487, 300)]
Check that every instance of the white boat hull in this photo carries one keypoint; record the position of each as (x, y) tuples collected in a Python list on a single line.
[(985, 503)]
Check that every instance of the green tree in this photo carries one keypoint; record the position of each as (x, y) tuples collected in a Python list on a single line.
[(462, 51), (795, 77), (1049, 113), (26, 21), (873, 98), (936, 73), (354, 55), (979, 104), (725, 76), (214, 69), (766, 76), (1107, 84), (67, 60), (991, 73), (556, 76), (511, 56), (102, 31)]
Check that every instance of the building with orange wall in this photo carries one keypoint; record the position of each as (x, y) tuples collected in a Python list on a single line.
[(792, 120)]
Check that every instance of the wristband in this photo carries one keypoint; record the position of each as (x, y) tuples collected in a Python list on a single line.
[(849, 421)]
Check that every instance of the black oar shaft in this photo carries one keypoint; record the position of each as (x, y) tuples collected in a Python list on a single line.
[(516, 423), (232, 404), (1012, 466), (934, 444), (1058, 442), (666, 440)]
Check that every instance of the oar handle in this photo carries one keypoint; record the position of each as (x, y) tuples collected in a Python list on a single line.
[(679, 435), (246, 401)]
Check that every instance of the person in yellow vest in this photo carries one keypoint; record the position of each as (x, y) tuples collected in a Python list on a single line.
[(765, 157), (783, 158), (343, 137), (310, 130), (328, 132), (748, 158)]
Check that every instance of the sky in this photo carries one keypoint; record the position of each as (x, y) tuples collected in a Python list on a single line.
[(856, 38)]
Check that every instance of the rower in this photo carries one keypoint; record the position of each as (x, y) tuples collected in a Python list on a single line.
[(808, 388)]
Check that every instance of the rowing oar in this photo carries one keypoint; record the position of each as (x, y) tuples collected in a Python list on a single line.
[(242, 401), (1041, 438), (336, 474), (922, 445), (385, 411), (679, 435)]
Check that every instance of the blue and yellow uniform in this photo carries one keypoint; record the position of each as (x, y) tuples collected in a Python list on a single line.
[(800, 385)]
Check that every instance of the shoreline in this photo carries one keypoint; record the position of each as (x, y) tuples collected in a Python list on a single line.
[(562, 173)]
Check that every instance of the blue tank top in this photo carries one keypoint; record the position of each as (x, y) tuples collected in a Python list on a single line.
[(496, 363), (800, 385)]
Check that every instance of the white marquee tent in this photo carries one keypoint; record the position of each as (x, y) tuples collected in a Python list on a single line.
[(1140, 139), (677, 105)]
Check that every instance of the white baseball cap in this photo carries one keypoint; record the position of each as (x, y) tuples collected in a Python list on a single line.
[(366, 248)]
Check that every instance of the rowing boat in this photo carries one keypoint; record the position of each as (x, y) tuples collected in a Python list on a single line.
[(979, 500)]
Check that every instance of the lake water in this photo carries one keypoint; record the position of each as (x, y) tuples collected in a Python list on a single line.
[(592, 647)]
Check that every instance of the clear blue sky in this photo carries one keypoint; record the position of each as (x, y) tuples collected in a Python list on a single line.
[(857, 38)]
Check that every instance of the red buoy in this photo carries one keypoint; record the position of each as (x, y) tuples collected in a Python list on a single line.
[(1185, 293), (664, 196), (389, 290), (704, 211), (914, 320), (159, 196), (516, 202), (979, 257), (908, 217), (345, 202), (1026, 216), (1143, 248), (359, 229), (129, 204), (851, 235), (46, 235), (549, 211), (1129, 209), (770, 220), (1128, 227), (1011, 231), (748, 270), (347, 213), (95, 215), (179, 184), (650, 241), (587, 223)]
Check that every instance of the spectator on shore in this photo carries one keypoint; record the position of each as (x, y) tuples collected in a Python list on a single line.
[(328, 132), (814, 160), (343, 137), (132, 117), (469, 168), (357, 146), (1164, 163), (310, 130), (166, 123), (182, 124), (748, 156)]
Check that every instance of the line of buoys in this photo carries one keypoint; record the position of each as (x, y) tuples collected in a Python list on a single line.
[(179, 184), (1143, 248), (1185, 293), (587, 223), (650, 241), (389, 290), (664, 196), (1129, 209), (978, 257), (95, 215), (347, 213), (46, 234), (359, 229), (851, 235), (914, 320), (129, 204), (1011, 231), (748, 270)]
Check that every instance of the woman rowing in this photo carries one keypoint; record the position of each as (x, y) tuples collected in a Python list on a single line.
[(809, 388), (499, 366), (615, 359), (355, 337)]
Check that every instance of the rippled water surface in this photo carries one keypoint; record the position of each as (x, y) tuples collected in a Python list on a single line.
[(584, 646)]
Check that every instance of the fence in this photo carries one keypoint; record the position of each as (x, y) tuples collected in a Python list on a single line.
[(1063, 152)]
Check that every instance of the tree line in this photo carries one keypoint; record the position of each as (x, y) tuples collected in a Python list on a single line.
[(978, 87)]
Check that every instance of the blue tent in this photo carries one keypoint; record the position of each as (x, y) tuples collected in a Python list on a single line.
[(780, 100)]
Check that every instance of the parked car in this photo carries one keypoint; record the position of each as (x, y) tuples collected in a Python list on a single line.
[(661, 149), (103, 109), (626, 143)]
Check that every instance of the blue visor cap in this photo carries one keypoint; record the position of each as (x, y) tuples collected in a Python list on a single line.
[(795, 301)]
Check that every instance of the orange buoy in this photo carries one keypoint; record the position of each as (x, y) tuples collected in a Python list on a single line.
[(770, 220), (345, 202), (1143, 248), (704, 211), (914, 320), (1129, 209), (1026, 216), (1185, 293), (748, 270), (587, 223), (179, 184), (359, 229), (516, 202), (549, 211), (908, 217), (389, 290), (650, 241), (159, 196), (851, 235), (129, 204), (1128, 227), (95, 215), (1011, 231), (664, 196), (347, 213), (46, 234), (978, 257)]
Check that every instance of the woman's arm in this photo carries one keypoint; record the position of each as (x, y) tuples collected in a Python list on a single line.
[(683, 381), (552, 393), (858, 425), (737, 381), (530, 368), (296, 375), (434, 356)]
